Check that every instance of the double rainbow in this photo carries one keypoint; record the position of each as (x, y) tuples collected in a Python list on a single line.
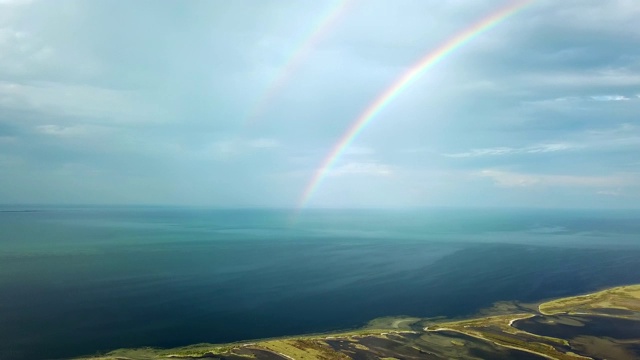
[(318, 32), (401, 84)]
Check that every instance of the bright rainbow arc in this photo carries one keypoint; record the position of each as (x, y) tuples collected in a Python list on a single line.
[(319, 31), (408, 78)]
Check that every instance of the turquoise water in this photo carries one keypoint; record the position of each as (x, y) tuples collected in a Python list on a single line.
[(90, 279)]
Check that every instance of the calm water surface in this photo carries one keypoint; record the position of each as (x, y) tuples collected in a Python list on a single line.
[(78, 281)]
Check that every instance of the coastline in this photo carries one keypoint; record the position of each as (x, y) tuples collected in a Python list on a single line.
[(422, 335)]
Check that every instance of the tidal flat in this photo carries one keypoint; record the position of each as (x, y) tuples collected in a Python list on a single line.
[(581, 327)]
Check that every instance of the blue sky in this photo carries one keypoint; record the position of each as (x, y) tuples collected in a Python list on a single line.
[(147, 102)]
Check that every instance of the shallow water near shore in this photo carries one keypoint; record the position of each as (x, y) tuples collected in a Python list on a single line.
[(82, 280), (599, 326)]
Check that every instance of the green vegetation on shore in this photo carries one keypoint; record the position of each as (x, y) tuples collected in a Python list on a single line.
[(622, 298), (494, 334)]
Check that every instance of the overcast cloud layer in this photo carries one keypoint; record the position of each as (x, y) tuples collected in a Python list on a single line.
[(149, 102)]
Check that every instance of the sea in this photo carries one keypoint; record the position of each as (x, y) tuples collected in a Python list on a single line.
[(84, 280)]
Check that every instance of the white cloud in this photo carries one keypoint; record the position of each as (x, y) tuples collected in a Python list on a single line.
[(70, 131), (566, 99), (75, 100), (623, 135), (572, 100), (621, 129), (610, 98), (8, 35), (25, 53), (483, 152), (535, 149), (507, 179), (609, 192), (544, 148), (223, 150), (361, 168), (513, 179), (599, 78)]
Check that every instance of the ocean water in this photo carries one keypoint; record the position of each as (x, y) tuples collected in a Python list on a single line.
[(85, 280)]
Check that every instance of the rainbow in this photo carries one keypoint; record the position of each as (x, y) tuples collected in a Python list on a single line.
[(318, 32), (401, 84)]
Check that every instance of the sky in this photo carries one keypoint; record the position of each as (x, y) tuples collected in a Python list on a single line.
[(238, 103)]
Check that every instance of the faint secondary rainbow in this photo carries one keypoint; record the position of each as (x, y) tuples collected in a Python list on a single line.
[(318, 32), (401, 84)]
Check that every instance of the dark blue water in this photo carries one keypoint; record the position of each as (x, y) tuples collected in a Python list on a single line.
[(78, 281)]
